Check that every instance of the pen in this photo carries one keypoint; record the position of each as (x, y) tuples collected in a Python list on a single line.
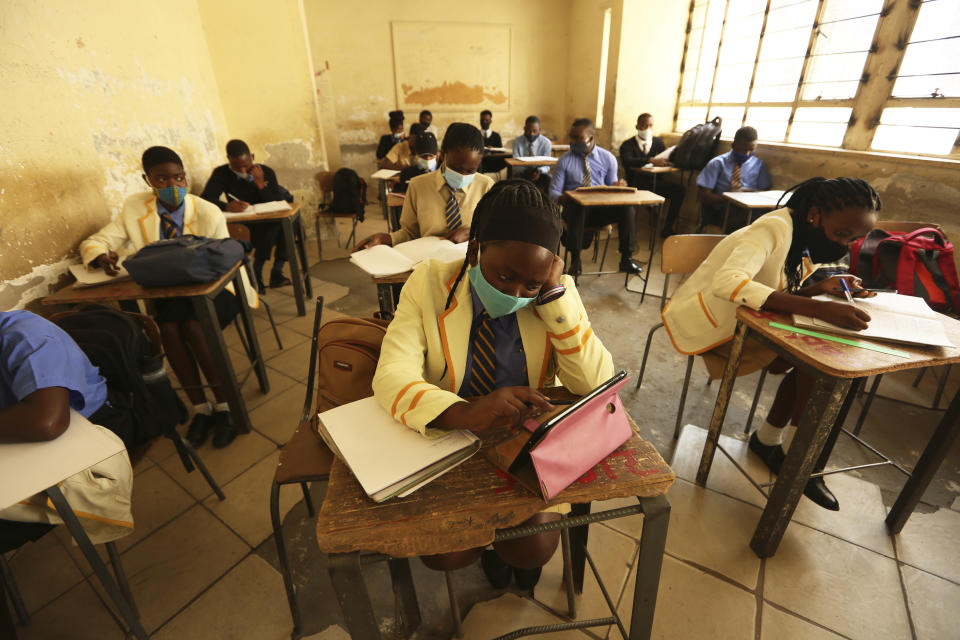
[(232, 197), (846, 291)]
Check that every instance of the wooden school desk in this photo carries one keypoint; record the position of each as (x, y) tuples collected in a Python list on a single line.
[(752, 201), (475, 504), (394, 208), (38, 467), (202, 296), (516, 162), (559, 149), (385, 284), (837, 368), (302, 287), (636, 198), (653, 172), (386, 178)]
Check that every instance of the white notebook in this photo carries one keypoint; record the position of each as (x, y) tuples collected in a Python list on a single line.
[(535, 158), (381, 261), (87, 277), (388, 458), (385, 174), (893, 317)]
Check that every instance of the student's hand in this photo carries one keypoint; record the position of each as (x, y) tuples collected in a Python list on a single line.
[(374, 240), (506, 406), (843, 315), (257, 172), (743, 189), (458, 235), (236, 206), (556, 271), (832, 286), (107, 262), (620, 183), (659, 162)]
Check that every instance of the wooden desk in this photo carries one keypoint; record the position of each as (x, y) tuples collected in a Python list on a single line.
[(299, 272), (202, 296), (839, 371), (654, 171), (516, 162), (385, 286), (474, 505), (752, 201), (394, 208), (559, 148)]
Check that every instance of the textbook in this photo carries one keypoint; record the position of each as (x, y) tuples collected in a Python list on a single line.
[(893, 318), (388, 458), (87, 277), (381, 261)]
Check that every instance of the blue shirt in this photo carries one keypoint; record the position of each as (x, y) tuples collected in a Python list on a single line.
[(176, 214), (511, 363), (717, 174), (568, 172), (541, 146), (37, 354)]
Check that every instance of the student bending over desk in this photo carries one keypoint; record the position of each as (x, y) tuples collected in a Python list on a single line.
[(737, 170), (401, 155), (168, 212), (763, 266), (426, 150), (396, 134), (471, 354)]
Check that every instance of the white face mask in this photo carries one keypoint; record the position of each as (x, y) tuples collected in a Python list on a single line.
[(429, 165), (644, 134)]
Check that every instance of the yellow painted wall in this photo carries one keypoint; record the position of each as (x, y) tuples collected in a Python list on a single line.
[(583, 63)]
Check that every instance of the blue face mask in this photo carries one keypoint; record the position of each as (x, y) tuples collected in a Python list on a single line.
[(579, 148), (457, 180), (171, 195), (740, 158), (496, 302)]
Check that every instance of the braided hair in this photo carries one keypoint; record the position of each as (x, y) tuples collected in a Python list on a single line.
[(505, 193), (829, 194)]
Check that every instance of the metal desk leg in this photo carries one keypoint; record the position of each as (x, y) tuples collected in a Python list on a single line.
[(926, 467), (405, 594), (653, 247), (295, 274), (259, 366), (723, 400), (653, 541), (353, 597), (823, 407), (578, 545), (126, 608), (301, 240)]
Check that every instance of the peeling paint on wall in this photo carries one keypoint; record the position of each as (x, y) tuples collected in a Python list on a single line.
[(452, 93)]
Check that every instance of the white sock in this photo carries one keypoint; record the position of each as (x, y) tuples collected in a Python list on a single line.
[(788, 433), (204, 408), (221, 406), (769, 435)]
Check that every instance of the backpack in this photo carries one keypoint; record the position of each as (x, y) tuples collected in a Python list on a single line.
[(918, 263), (143, 405), (349, 193), (348, 350), (697, 145), (183, 260)]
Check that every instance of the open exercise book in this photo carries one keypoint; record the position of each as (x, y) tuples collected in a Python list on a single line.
[(263, 207), (893, 317), (381, 261), (87, 277), (388, 458)]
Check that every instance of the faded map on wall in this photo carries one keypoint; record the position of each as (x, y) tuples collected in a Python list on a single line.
[(451, 66)]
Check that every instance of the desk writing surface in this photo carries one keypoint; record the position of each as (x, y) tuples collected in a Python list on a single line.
[(560, 147), (754, 199), (397, 278), (614, 198), (843, 361), (654, 169), (514, 162), (264, 217)]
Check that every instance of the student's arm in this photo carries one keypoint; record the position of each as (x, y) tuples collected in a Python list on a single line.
[(213, 189), (43, 415), (557, 181), (707, 181), (106, 241), (409, 225), (272, 190), (392, 159), (630, 156)]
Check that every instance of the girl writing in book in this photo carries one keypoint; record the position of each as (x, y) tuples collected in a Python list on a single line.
[(472, 342), (764, 266)]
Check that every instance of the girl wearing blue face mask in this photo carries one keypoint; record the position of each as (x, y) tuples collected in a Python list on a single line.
[(472, 342)]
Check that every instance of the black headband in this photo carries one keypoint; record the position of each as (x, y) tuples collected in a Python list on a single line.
[(533, 225)]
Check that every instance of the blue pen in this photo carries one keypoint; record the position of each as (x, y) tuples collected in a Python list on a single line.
[(846, 290)]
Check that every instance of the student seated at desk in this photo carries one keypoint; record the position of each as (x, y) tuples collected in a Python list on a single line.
[(241, 183), (643, 149), (401, 155), (737, 170), (168, 211), (426, 121), (490, 139), (532, 143), (396, 134), (587, 165), (426, 151), (763, 266), (470, 352), (441, 202)]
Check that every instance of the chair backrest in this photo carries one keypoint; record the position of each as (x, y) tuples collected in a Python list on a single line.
[(238, 231), (325, 183), (905, 226), (682, 254)]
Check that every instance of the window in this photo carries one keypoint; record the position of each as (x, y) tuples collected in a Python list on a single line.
[(604, 50), (795, 70)]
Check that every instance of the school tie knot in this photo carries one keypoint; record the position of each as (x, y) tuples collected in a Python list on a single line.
[(170, 229), (483, 370)]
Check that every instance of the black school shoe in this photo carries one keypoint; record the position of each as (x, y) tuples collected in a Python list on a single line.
[(199, 430), (279, 281), (224, 431), (773, 456), (629, 265), (527, 579)]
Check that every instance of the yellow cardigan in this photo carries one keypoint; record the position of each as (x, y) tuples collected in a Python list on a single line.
[(138, 225), (424, 353)]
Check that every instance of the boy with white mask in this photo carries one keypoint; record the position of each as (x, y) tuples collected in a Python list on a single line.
[(644, 148), (426, 161)]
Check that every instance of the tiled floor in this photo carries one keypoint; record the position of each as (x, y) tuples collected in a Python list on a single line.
[(202, 568)]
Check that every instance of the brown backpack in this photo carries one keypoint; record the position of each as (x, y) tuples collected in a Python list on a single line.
[(348, 350)]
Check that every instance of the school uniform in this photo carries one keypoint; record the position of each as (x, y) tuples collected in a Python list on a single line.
[(491, 139), (718, 176), (540, 146), (426, 354), (401, 154), (406, 175), (743, 270), (636, 153), (425, 207), (385, 144)]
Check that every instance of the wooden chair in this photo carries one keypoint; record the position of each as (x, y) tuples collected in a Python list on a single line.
[(242, 232), (325, 182), (608, 228)]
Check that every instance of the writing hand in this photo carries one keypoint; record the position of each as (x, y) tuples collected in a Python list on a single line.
[(458, 235), (832, 286), (843, 315), (374, 240), (107, 262), (236, 206)]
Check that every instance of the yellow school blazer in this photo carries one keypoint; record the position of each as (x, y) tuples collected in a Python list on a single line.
[(424, 353), (743, 269), (138, 225), (424, 208)]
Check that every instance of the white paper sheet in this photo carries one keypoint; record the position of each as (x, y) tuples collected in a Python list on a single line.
[(384, 174), (94, 277), (381, 261), (536, 158)]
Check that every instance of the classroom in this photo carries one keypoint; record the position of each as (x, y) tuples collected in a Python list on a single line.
[(571, 318)]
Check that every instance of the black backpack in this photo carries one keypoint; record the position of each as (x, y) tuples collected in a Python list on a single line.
[(184, 260), (143, 404), (349, 193), (697, 145)]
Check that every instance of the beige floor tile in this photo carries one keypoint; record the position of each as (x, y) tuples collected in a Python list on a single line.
[(486, 620), (333, 632), (245, 510), (631, 525), (278, 417), (293, 361), (79, 560), (713, 530), (162, 448), (254, 397), (724, 477), (43, 570), (76, 615), (177, 562), (142, 465), (931, 541), (249, 602), (861, 515), (157, 499), (693, 604), (302, 324), (266, 339), (224, 464), (934, 604), (777, 625), (839, 585)]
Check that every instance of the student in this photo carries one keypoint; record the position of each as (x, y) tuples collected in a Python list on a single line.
[(642, 149), (470, 352), (241, 183), (168, 211), (401, 155), (763, 266), (531, 143), (737, 170), (426, 121), (490, 139), (396, 134), (426, 151), (441, 203), (586, 165)]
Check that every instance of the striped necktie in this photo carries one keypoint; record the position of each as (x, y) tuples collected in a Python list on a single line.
[(168, 226), (586, 182), (483, 371), (452, 211), (735, 181)]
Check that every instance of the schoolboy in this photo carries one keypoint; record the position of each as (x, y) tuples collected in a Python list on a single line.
[(643, 149), (736, 170), (533, 143)]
